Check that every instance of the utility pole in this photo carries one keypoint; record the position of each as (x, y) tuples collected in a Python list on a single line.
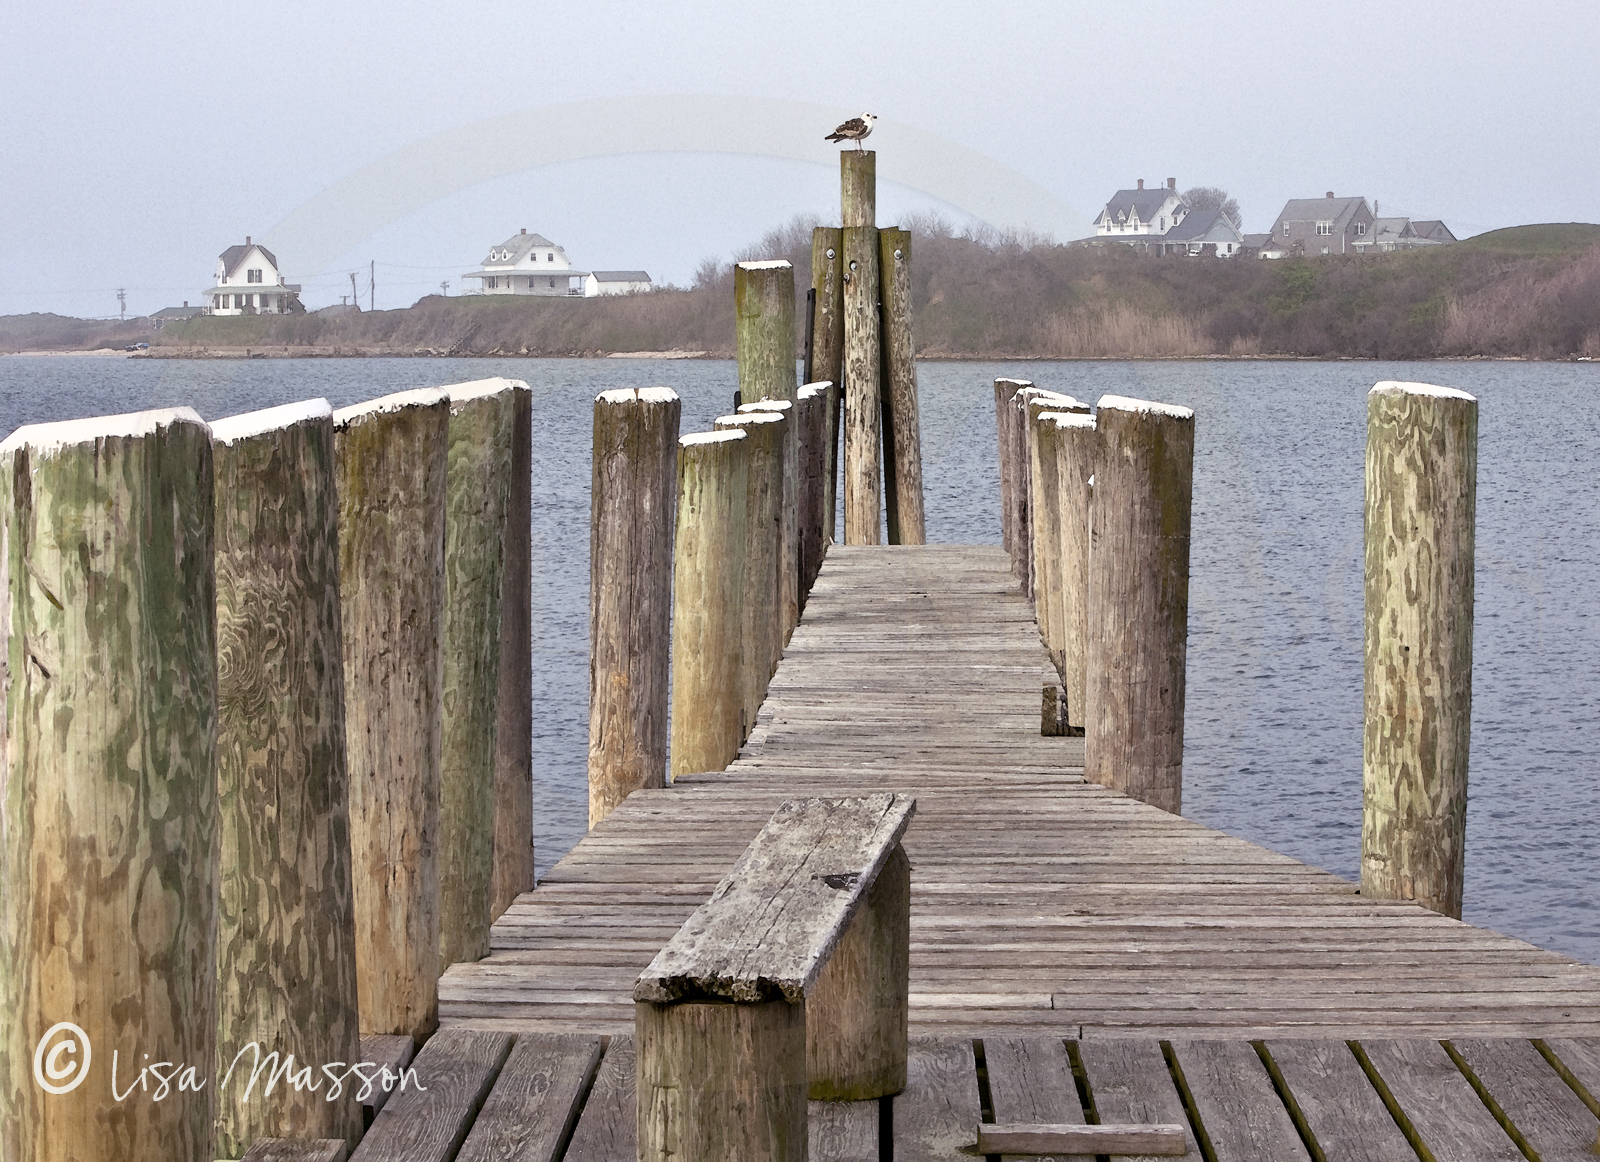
[(444, 288), (355, 295), (372, 286), (122, 304)]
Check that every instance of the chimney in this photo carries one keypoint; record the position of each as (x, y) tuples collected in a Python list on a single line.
[(1172, 183), (524, 230), (247, 237), (1141, 183), (185, 304), (1330, 193)]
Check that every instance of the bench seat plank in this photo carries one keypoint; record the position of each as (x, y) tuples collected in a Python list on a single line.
[(775, 918)]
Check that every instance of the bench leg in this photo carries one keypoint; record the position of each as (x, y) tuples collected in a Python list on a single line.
[(721, 1082), (856, 1012)]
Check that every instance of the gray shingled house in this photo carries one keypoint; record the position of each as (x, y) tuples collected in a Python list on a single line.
[(1326, 225)]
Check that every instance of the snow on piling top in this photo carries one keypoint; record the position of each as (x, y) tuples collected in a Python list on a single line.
[(49, 439), (755, 417), (1398, 387), (767, 405), (1043, 395), (1069, 419), (1124, 404), (721, 437), (637, 395), (242, 427), (769, 264), (817, 388), (416, 397), (1018, 382), (478, 388)]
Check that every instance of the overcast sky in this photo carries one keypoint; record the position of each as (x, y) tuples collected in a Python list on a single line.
[(139, 140)]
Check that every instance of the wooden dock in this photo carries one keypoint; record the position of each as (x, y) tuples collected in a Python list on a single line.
[(1075, 954)]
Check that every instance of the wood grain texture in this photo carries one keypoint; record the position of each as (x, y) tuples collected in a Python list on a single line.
[(858, 188), (383, 1051), (1010, 501), (1047, 1140), (788, 515), (513, 736), (827, 352), (863, 407), (1139, 602), (530, 1113), (856, 1012), (1129, 1083), (608, 1129), (633, 499), (1077, 444), (777, 916), (1438, 1105), (765, 345), (902, 430), (722, 1081), (392, 468), (812, 419), (1046, 534), (1239, 1112), (108, 858), (842, 1131), (708, 705), (1030, 1082), (761, 624), (286, 934), (1333, 1098), (936, 1118), (477, 490), (1577, 1060), (1421, 512), (1550, 1118), (428, 1121), (297, 1150)]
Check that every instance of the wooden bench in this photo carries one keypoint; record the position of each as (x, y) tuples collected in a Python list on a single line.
[(788, 983)]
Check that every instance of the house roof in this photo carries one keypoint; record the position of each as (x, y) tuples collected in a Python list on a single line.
[(1339, 210), (1432, 228), (176, 313), (518, 246), (1257, 241), (1200, 223), (621, 276), (1147, 202), (233, 257), (1387, 228)]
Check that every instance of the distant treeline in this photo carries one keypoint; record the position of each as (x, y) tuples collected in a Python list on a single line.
[(1529, 291)]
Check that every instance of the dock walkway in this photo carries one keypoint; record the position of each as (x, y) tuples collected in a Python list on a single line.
[(1068, 944)]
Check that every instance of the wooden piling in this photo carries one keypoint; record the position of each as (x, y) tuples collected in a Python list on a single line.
[(513, 736), (1421, 511), (827, 351), (760, 634), (902, 427), (633, 510), (286, 930), (1045, 513), (788, 513), (708, 722), (477, 494), (1011, 500), (812, 421), (764, 311), (108, 833), (1139, 600), (863, 480), (1077, 442), (391, 455)]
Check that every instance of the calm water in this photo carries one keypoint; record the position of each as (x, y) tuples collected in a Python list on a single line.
[(1273, 736)]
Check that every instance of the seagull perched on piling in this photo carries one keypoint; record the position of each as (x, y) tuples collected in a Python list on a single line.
[(854, 129)]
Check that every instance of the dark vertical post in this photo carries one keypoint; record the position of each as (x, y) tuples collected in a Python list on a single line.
[(903, 430)]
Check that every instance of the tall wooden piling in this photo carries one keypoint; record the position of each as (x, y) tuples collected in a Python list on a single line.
[(1139, 600), (108, 833), (863, 481), (1045, 514), (907, 522), (788, 514), (286, 930), (708, 719), (513, 735), (477, 494), (391, 455), (812, 420), (1012, 506), (1077, 442), (827, 351), (633, 508), (761, 634), (1421, 512), (764, 312)]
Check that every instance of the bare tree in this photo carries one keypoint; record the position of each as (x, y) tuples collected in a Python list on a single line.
[(1213, 198)]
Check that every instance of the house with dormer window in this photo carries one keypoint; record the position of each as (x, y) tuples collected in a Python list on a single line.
[(1326, 225), (1136, 212), (529, 264), (248, 283)]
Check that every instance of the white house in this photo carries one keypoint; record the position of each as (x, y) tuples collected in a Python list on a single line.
[(1131, 213), (248, 283), (529, 264), (616, 282)]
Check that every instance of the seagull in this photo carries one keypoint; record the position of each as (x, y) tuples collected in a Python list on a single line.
[(854, 129)]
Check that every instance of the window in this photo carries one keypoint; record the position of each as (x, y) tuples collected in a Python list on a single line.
[(1361, 229), (494, 283), (530, 284), (1324, 228), (252, 276), (550, 258), (552, 282)]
